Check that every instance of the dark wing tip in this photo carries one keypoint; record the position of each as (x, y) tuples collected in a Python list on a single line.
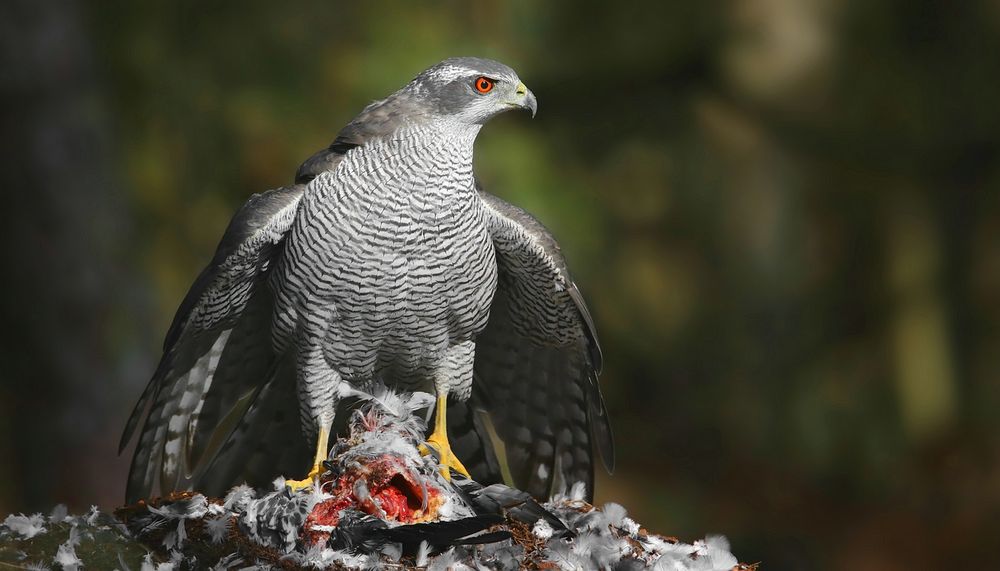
[(593, 344), (600, 425)]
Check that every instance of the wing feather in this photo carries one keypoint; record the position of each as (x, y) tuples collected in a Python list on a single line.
[(537, 364), (216, 350), (205, 399)]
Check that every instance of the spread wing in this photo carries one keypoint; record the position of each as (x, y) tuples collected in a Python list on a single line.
[(536, 368), (222, 407), (217, 354)]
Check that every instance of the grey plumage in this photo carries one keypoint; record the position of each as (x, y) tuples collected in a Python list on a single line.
[(382, 263), (537, 362)]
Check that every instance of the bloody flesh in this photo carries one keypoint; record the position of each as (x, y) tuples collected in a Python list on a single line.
[(394, 494)]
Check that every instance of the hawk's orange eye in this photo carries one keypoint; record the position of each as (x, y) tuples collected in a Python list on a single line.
[(483, 84)]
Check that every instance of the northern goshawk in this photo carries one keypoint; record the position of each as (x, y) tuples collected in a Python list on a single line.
[(384, 262)]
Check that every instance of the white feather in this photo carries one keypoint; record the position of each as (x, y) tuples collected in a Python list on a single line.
[(66, 557), (542, 529), (58, 514), (615, 512), (447, 561), (718, 552), (393, 551), (27, 526), (217, 528), (422, 554)]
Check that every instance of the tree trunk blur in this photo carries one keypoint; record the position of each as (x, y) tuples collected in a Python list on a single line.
[(65, 290)]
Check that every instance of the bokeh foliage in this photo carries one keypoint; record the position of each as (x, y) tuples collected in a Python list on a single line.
[(785, 216)]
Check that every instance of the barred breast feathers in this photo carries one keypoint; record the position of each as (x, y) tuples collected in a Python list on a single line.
[(395, 233)]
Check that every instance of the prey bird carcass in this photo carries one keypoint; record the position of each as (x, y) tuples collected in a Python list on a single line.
[(380, 504), (384, 263)]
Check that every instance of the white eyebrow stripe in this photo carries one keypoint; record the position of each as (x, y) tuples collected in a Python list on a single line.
[(452, 72)]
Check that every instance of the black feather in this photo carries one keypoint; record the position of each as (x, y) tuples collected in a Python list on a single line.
[(361, 533)]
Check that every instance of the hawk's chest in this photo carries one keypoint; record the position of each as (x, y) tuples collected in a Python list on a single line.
[(401, 225), (396, 198)]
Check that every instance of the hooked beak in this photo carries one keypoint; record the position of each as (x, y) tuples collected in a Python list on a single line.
[(525, 99)]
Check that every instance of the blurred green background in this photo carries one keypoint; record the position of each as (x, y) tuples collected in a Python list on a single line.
[(785, 215)]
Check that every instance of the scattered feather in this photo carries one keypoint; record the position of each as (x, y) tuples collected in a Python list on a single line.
[(194, 507), (231, 561), (422, 554), (238, 497), (447, 561), (27, 526), (58, 514), (278, 484), (393, 551), (170, 540), (629, 526), (66, 557), (217, 528), (615, 513), (91, 517), (181, 533), (542, 529), (718, 552)]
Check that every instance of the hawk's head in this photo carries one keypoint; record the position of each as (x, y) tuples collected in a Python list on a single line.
[(471, 90), (459, 94)]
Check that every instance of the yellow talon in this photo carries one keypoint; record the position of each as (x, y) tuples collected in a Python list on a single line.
[(313, 476), (439, 441), (309, 480)]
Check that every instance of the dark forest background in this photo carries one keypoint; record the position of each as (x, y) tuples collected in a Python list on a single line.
[(785, 215)]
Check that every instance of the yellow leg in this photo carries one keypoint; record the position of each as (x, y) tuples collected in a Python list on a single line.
[(439, 440), (313, 476)]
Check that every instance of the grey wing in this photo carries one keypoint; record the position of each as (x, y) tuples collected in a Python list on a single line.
[(217, 354), (536, 368), (224, 407)]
